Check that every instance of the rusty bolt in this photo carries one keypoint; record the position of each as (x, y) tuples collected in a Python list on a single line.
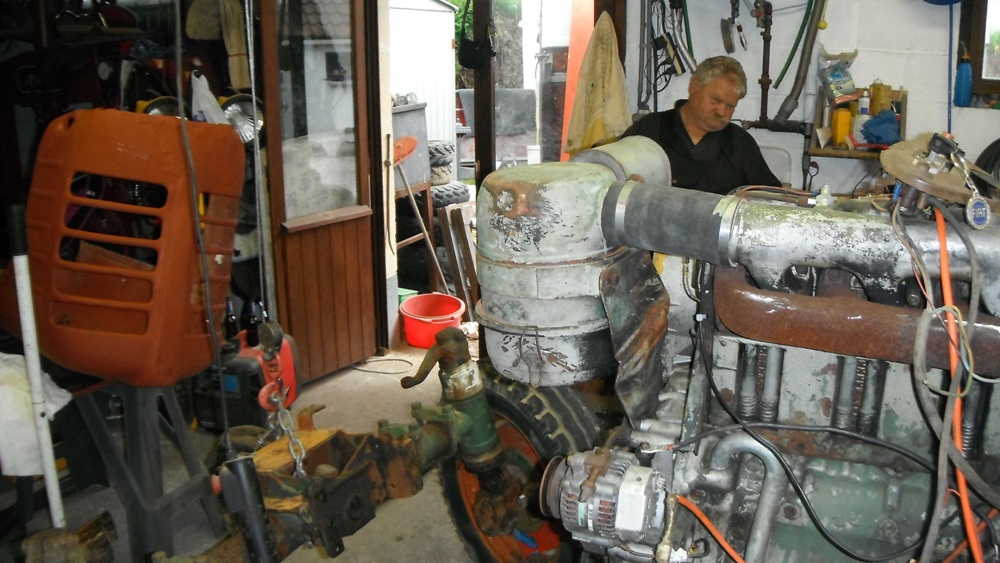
[(887, 528), (790, 511)]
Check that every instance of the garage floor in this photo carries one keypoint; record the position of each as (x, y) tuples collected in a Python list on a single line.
[(415, 529)]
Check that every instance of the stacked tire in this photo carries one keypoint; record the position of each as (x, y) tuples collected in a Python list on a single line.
[(413, 263), (442, 154)]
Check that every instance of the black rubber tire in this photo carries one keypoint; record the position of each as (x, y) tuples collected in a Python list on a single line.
[(441, 153), (555, 420), (447, 194)]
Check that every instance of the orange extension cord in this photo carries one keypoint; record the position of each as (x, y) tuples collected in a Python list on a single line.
[(965, 543), (956, 421), (710, 527)]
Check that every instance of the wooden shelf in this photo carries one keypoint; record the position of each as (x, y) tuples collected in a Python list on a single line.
[(898, 99)]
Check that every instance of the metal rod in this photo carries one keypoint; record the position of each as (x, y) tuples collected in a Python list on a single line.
[(747, 405), (771, 493), (32, 360), (772, 384), (845, 392)]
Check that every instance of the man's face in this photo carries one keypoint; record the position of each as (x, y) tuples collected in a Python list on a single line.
[(712, 105)]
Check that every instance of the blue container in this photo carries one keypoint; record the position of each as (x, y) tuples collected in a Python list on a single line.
[(963, 83)]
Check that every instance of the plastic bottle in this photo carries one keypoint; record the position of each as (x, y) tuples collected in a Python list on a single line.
[(963, 83), (859, 120), (230, 327), (251, 317)]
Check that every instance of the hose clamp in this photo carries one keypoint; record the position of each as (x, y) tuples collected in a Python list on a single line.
[(620, 204), (728, 210)]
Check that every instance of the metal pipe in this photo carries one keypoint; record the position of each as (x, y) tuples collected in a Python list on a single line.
[(771, 492), (792, 100), (18, 242), (833, 324), (747, 405), (765, 65), (845, 392), (871, 397), (772, 384)]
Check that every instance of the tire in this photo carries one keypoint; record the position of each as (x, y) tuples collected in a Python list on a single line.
[(441, 196), (440, 175), (447, 194), (441, 153), (535, 425)]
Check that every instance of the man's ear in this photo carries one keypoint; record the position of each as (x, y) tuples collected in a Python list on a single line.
[(693, 86)]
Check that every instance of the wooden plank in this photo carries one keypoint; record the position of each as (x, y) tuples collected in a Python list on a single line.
[(454, 258), (355, 309), (296, 312), (342, 279), (324, 218), (324, 249), (465, 214), (366, 255), (309, 289)]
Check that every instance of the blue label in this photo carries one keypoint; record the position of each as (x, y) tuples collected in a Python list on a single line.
[(231, 383), (977, 213)]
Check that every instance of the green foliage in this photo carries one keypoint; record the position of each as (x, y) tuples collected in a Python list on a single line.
[(503, 8)]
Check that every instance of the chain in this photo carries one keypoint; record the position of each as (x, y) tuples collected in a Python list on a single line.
[(284, 418), (280, 423), (963, 165)]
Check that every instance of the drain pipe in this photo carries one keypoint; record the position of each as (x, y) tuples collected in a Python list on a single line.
[(803, 128), (771, 492), (792, 100)]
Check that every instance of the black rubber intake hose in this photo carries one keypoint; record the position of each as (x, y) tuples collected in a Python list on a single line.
[(667, 219)]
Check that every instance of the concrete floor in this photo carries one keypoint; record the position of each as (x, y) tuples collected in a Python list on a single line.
[(415, 529)]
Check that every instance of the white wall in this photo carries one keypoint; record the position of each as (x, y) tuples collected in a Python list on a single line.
[(904, 43), (422, 60)]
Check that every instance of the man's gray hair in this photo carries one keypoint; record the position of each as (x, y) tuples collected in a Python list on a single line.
[(715, 67)]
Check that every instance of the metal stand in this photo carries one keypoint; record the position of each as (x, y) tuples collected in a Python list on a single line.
[(139, 480)]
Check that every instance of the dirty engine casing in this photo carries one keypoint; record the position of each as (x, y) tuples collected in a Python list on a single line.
[(801, 310)]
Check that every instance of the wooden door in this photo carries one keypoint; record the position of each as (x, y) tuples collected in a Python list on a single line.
[(320, 177)]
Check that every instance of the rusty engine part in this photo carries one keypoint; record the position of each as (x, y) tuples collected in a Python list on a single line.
[(812, 333)]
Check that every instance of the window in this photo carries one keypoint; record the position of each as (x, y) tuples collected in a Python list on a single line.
[(980, 31)]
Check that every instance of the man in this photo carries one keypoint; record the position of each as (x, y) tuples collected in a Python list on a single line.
[(706, 151)]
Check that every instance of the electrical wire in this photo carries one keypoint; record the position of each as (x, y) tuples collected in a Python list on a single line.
[(200, 241), (357, 366), (795, 45), (963, 488), (793, 480), (947, 448), (871, 440), (705, 521), (919, 268), (984, 524)]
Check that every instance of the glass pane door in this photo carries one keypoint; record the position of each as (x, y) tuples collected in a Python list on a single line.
[(319, 144)]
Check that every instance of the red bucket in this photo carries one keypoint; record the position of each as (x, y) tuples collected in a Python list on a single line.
[(426, 315)]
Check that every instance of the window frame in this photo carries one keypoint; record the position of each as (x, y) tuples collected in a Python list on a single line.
[(972, 31)]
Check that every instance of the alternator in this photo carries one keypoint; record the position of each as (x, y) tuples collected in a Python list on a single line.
[(609, 502)]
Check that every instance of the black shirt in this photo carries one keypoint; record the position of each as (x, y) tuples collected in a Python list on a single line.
[(721, 162)]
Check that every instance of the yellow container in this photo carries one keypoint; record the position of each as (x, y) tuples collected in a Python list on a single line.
[(881, 95), (841, 126)]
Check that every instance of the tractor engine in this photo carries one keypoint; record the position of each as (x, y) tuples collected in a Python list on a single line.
[(782, 359)]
